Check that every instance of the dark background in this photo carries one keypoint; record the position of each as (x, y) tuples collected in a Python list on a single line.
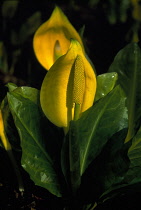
[(103, 38)]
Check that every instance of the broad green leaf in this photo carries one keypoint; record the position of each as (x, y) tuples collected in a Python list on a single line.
[(134, 174), (105, 83), (132, 178), (122, 190), (10, 129), (117, 162), (135, 150), (35, 159), (30, 93), (48, 130), (98, 124), (26, 92), (127, 64), (108, 168)]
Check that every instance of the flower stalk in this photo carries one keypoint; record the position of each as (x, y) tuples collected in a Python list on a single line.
[(8, 148)]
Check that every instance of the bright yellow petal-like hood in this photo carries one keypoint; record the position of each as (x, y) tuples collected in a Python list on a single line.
[(52, 39), (70, 80), (3, 137)]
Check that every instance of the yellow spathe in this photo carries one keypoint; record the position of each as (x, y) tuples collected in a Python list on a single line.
[(3, 137), (71, 80), (52, 39)]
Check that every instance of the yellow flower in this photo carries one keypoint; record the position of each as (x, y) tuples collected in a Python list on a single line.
[(52, 39), (70, 84), (3, 137)]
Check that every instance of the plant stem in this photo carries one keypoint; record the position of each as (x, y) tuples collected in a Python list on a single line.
[(8, 148), (76, 111), (17, 171), (94, 206)]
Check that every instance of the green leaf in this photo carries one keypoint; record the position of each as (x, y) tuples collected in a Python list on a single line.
[(134, 174), (11, 86), (117, 162), (26, 92), (30, 93), (127, 64), (10, 129), (120, 191), (135, 150), (105, 83), (132, 178), (107, 171), (99, 123), (35, 159)]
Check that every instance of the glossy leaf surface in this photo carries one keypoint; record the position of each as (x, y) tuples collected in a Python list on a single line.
[(134, 153), (105, 83), (35, 159), (107, 171), (127, 64), (98, 124)]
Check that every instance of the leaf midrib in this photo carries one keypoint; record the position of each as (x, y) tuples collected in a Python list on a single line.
[(25, 127), (90, 137)]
